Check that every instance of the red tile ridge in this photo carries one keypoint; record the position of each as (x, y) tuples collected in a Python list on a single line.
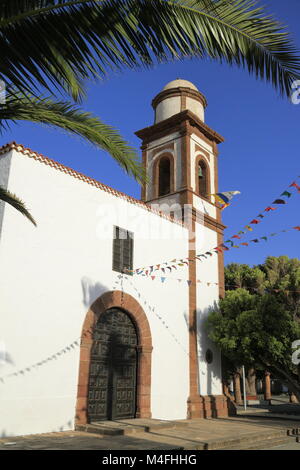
[(76, 174)]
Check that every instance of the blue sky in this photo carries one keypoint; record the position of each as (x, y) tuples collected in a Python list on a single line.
[(260, 156)]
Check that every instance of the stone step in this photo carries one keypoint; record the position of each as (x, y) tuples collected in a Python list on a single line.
[(270, 415), (112, 428), (246, 440), (155, 431), (263, 444)]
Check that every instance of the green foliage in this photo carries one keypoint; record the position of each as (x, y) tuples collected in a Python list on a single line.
[(71, 119), (258, 329), (279, 276), (14, 201), (243, 276), (63, 42), (54, 46)]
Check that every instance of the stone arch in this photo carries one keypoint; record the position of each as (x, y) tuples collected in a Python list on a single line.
[(155, 175), (201, 160), (127, 303)]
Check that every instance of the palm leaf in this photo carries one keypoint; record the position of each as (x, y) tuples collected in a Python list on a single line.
[(13, 200), (71, 119), (60, 43)]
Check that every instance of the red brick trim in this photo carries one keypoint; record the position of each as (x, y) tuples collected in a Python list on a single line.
[(86, 179), (199, 149), (167, 147), (163, 128), (127, 303), (182, 92), (215, 406)]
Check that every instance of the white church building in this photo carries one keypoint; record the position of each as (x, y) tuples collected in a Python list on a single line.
[(93, 325)]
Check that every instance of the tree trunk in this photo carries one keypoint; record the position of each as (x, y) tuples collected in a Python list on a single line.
[(293, 398), (293, 384), (267, 386), (237, 388), (251, 382)]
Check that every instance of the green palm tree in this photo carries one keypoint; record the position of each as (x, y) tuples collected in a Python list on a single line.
[(54, 46)]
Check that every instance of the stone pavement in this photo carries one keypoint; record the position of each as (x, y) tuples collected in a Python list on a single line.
[(236, 433)]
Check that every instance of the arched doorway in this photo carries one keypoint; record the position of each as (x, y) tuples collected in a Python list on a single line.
[(113, 370), (127, 305)]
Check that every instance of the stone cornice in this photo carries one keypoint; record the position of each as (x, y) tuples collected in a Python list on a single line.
[(153, 132), (180, 91)]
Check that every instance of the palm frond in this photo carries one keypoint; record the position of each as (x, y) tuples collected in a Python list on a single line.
[(70, 118), (14, 201), (60, 43)]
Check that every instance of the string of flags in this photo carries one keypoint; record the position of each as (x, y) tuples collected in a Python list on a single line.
[(168, 267), (224, 198), (281, 200), (231, 242), (207, 283), (40, 363)]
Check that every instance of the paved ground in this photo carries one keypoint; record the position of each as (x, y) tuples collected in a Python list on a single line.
[(278, 404), (290, 446), (193, 434)]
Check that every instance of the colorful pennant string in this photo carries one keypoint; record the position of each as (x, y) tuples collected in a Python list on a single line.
[(209, 283), (238, 236), (218, 249)]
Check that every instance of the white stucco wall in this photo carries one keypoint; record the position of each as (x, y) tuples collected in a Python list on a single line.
[(171, 106), (196, 107), (210, 378), (167, 108), (51, 274)]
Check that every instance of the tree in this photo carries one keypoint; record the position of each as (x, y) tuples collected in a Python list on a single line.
[(257, 330), (53, 46), (282, 278)]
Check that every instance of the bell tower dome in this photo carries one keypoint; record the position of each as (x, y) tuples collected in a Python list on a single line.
[(178, 95), (180, 151)]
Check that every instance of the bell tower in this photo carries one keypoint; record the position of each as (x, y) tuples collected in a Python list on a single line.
[(180, 150), (180, 155)]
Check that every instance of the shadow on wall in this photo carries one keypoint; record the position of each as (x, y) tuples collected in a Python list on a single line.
[(205, 344), (91, 291), (5, 357)]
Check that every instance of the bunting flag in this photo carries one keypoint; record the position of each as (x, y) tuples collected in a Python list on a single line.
[(223, 247), (286, 193), (279, 201), (216, 250), (224, 198), (205, 283)]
